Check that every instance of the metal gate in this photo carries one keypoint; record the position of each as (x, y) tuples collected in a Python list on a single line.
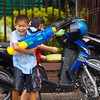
[(8, 6)]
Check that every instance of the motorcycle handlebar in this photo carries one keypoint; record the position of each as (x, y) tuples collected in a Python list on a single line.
[(63, 23)]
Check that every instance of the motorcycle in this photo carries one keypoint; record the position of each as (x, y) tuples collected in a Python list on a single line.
[(75, 72), (93, 42), (6, 71)]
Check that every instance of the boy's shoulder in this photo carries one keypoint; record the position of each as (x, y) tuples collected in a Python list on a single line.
[(14, 32), (28, 32)]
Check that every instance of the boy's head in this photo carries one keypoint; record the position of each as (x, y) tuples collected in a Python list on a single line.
[(21, 24), (37, 22), (41, 26)]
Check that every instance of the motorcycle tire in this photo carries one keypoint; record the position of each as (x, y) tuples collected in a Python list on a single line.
[(85, 87), (5, 95)]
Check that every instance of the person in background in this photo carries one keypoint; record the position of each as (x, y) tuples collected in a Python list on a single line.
[(36, 24)]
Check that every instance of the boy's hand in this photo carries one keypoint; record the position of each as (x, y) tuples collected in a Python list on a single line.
[(32, 51), (54, 49), (43, 57)]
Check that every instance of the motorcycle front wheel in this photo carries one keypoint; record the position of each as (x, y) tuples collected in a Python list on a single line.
[(4, 94), (85, 83)]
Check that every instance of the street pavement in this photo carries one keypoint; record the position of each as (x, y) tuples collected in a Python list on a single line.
[(62, 96), (58, 96), (76, 95)]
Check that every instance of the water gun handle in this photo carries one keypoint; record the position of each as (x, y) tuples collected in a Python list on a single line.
[(60, 32), (11, 51)]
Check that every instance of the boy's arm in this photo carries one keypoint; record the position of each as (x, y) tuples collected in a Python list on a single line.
[(19, 49), (47, 48), (43, 57), (14, 43)]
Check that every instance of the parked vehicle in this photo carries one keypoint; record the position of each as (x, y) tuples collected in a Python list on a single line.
[(93, 42), (76, 72)]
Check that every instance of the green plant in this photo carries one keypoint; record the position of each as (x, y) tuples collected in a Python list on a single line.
[(54, 42), (8, 21), (1, 37), (82, 13), (36, 12), (41, 13)]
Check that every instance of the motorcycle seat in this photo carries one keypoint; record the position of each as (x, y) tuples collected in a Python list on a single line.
[(4, 44)]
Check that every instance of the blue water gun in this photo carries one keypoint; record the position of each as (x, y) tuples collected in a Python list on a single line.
[(36, 39)]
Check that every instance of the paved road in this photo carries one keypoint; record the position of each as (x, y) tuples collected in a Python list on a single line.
[(76, 95), (60, 96)]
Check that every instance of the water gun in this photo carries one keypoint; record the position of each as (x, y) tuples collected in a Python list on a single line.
[(36, 39)]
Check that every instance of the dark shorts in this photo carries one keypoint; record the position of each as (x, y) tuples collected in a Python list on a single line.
[(32, 81)]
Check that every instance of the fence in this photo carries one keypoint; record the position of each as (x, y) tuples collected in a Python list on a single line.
[(92, 14), (7, 7)]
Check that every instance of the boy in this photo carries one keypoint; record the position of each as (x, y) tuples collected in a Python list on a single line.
[(37, 23), (24, 61)]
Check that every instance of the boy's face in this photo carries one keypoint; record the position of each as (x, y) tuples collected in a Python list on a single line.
[(41, 27), (22, 26)]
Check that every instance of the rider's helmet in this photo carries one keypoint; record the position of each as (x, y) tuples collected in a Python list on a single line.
[(78, 29)]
